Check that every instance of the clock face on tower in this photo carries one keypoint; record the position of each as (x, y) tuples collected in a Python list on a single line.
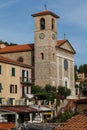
[(42, 35)]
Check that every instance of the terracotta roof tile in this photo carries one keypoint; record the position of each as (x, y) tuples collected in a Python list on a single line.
[(78, 122), (17, 48), (60, 42), (45, 12), (14, 62)]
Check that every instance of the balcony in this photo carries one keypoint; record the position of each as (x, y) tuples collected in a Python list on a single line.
[(25, 80)]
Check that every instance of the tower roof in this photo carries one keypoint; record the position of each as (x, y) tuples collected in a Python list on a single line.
[(45, 12)]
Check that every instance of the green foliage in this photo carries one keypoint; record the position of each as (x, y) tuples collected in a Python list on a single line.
[(64, 91), (81, 68), (65, 116), (48, 92), (7, 44), (50, 88), (83, 87), (75, 72), (35, 89)]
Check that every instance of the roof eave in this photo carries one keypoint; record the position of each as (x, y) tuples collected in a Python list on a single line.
[(46, 12)]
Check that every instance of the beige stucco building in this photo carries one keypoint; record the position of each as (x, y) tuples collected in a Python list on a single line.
[(14, 80), (52, 60)]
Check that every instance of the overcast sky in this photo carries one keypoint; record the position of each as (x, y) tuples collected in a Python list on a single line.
[(17, 24)]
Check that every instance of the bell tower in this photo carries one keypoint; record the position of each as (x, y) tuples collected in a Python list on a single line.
[(45, 38)]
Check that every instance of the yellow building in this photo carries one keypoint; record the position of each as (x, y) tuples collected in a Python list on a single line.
[(15, 80)]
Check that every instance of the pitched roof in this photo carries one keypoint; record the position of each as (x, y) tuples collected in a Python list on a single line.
[(45, 12), (14, 62), (78, 122), (61, 42), (17, 48), (28, 47)]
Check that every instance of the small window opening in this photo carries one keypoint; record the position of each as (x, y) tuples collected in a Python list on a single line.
[(53, 23), (42, 56), (65, 83), (20, 59), (42, 23)]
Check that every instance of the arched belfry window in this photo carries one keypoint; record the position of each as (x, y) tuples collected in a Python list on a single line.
[(53, 23), (42, 23)]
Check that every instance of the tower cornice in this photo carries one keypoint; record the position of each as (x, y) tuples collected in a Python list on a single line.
[(45, 12)]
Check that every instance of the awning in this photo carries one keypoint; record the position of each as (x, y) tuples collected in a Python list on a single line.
[(18, 109), (29, 96)]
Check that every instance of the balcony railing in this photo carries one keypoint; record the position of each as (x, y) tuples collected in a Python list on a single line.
[(25, 80)]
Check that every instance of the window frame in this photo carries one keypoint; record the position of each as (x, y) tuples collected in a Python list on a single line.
[(42, 23), (13, 71), (0, 69)]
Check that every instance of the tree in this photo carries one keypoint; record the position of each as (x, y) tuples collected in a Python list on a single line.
[(75, 71), (47, 93), (83, 88), (81, 69), (64, 91)]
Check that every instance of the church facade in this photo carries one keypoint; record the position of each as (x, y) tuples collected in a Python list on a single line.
[(52, 60)]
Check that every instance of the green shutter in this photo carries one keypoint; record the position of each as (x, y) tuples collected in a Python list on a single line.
[(0, 69), (0, 87), (23, 75), (13, 71)]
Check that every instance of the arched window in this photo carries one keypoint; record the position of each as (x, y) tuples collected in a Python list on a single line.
[(42, 56), (53, 23), (20, 59), (42, 23)]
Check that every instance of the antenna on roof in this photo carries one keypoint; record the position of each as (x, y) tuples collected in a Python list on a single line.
[(64, 36), (45, 6)]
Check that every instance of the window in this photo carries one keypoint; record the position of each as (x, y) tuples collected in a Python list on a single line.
[(65, 83), (52, 23), (0, 69), (23, 75), (0, 87), (0, 100), (20, 59), (42, 56), (10, 101), (25, 90), (42, 24), (65, 64), (27, 76), (13, 71), (13, 88)]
